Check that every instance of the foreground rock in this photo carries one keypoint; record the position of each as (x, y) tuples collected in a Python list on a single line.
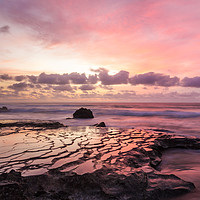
[(101, 124), (100, 185), (4, 109), (31, 123), (83, 113), (88, 163)]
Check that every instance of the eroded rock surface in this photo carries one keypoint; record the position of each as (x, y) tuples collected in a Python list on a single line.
[(88, 163), (102, 184)]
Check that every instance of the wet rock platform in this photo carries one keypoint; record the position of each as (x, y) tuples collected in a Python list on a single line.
[(87, 163)]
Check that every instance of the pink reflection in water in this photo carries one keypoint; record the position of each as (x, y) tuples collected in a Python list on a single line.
[(186, 165)]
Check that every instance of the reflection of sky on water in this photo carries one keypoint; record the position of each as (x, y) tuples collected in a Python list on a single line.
[(73, 149), (186, 165)]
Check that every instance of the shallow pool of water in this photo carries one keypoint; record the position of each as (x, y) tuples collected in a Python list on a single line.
[(186, 165)]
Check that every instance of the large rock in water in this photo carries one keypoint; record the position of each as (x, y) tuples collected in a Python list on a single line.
[(83, 113)]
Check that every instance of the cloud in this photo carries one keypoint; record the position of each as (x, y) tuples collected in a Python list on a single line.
[(38, 86), (70, 85), (191, 82), (92, 79), (20, 86), (87, 87), (53, 79), (171, 97), (32, 78), (4, 29), (118, 78), (77, 78), (5, 77), (62, 79), (59, 21), (155, 79), (63, 88), (107, 26), (20, 78), (106, 87), (100, 69)]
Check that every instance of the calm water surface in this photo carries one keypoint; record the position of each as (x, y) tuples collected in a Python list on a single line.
[(182, 118)]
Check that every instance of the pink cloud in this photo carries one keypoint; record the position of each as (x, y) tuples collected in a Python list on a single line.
[(4, 29), (20, 86), (191, 82), (5, 77), (156, 79), (101, 78), (119, 78), (140, 36), (87, 87)]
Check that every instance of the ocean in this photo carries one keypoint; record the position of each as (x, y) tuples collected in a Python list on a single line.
[(180, 118)]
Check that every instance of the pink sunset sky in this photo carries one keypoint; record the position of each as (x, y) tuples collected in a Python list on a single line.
[(100, 50)]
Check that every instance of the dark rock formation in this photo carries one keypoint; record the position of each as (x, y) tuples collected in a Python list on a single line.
[(162, 186), (11, 190), (83, 113), (28, 123), (102, 184), (162, 130), (101, 124), (4, 109), (11, 187)]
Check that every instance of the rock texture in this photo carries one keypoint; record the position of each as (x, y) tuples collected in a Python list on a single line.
[(83, 113), (102, 184), (29, 123), (88, 163)]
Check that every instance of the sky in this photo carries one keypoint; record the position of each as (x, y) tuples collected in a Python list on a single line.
[(100, 50)]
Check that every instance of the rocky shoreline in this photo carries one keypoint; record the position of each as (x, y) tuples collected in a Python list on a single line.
[(31, 123), (88, 163)]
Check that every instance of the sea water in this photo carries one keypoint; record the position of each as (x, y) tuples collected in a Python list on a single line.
[(181, 118)]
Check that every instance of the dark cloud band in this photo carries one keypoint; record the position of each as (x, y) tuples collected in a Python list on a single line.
[(101, 78)]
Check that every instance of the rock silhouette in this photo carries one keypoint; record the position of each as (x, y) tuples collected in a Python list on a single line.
[(4, 109), (101, 124), (83, 113)]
